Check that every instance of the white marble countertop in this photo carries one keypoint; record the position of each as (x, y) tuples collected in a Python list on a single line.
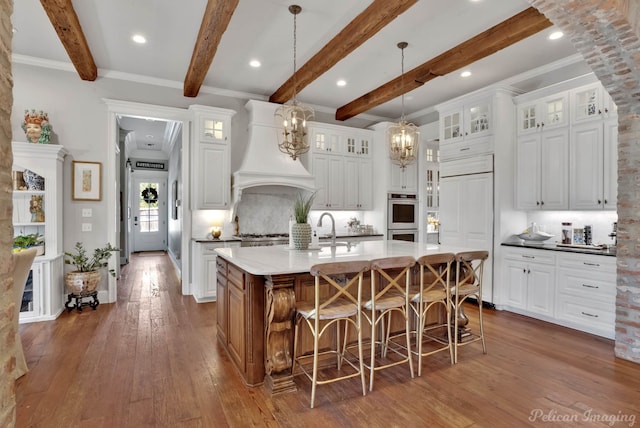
[(279, 259)]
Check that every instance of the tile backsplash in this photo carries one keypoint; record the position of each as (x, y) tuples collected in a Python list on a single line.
[(600, 221)]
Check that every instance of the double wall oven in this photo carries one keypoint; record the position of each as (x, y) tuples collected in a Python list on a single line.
[(402, 217)]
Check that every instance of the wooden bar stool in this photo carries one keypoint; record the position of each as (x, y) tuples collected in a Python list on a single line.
[(337, 297), (389, 297), (433, 292), (469, 270)]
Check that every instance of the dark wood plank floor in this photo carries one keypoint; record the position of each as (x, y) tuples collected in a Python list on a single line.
[(152, 359)]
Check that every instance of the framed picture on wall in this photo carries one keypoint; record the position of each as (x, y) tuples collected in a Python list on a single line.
[(86, 181)]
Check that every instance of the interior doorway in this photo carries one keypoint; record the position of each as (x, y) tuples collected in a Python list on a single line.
[(148, 203)]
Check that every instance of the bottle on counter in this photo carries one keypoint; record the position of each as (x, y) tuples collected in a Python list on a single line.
[(567, 232), (315, 239)]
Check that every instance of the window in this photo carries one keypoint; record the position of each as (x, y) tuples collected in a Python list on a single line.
[(149, 214)]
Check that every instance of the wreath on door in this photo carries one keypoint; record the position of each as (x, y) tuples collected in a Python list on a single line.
[(150, 195)]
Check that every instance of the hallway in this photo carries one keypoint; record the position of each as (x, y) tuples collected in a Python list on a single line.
[(152, 359)]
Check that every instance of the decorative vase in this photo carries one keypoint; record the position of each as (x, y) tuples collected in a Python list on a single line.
[(301, 233), (33, 180), (82, 282)]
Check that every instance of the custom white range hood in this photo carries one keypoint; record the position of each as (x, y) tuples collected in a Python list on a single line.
[(264, 165)]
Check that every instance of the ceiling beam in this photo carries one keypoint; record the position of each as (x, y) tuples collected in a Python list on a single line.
[(214, 23), (360, 29), (514, 29), (65, 21)]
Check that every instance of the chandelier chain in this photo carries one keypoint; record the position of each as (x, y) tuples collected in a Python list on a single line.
[(295, 40), (402, 81)]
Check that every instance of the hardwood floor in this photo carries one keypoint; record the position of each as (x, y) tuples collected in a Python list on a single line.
[(152, 359)]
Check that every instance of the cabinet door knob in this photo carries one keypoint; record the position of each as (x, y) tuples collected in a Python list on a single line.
[(606, 202), (537, 202), (599, 201), (541, 202)]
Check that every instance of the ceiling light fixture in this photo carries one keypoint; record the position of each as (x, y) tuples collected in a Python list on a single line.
[(255, 63), (402, 137), (556, 35), (292, 116), (466, 73), (341, 82), (139, 38)]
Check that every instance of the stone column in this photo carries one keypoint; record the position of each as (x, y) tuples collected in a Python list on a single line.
[(7, 329)]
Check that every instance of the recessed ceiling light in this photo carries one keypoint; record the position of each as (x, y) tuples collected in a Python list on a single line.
[(341, 82), (255, 63), (556, 35), (466, 73), (139, 38), (149, 136)]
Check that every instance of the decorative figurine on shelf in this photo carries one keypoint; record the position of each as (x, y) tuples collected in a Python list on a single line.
[(36, 126), (35, 207)]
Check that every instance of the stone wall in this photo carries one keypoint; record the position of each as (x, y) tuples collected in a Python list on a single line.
[(605, 32), (7, 312)]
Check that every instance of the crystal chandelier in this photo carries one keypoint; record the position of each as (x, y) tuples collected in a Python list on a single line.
[(292, 116), (402, 137)]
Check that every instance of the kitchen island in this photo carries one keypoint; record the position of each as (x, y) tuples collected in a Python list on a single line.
[(257, 289)]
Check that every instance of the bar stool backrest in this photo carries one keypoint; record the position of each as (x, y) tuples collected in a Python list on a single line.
[(344, 280)]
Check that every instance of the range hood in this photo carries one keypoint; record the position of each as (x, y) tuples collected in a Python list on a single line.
[(264, 165)]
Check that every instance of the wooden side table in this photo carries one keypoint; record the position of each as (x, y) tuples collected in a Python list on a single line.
[(79, 301)]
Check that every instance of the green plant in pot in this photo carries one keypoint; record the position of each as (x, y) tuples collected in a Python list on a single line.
[(87, 274), (301, 229), (22, 242)]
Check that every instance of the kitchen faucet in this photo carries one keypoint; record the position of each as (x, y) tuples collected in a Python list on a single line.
[(333, 227)]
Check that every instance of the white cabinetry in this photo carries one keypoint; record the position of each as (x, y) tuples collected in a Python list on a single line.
[(328, 170), (567, 148), (403, 180), (43, 299), (591, 102), (572, 289), (466, 209), (542, 177), (466, 127), (587, 293), (594, 149), (342, 165), (530, 278), (205, 269), (358, 179), (545, 113), (211, 157)]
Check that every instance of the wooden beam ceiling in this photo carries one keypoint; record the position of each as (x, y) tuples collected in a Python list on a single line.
[(65, 21), (514, 29), (216, 18), (360, 29)]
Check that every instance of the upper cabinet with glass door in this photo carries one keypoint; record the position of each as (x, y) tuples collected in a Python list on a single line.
[(544, 113), (591, 102), (466, 121)]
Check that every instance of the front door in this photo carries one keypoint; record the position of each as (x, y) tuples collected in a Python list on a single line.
[(149, 206)]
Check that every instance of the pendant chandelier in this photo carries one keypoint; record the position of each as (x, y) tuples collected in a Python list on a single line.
[(402, 137), (292, 116)]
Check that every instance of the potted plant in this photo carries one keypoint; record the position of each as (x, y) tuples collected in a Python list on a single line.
[(22, 242), (301, 229), (86, 277)]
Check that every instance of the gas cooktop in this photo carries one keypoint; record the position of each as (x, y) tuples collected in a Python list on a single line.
[(263, 235)]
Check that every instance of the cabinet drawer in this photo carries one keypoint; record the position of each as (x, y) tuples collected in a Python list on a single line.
[(210, 249), (236, 276), (531, 256), (589, 285), (590, 315), (221, 266), (466, 147), (588, 263)]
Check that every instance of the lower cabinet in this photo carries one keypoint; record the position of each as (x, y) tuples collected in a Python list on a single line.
[(44, 292), (204, 287), (241, 319), (531, 281), (572, 289), (587, 293)]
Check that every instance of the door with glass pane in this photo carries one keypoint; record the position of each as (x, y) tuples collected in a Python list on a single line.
[(149, 209)]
